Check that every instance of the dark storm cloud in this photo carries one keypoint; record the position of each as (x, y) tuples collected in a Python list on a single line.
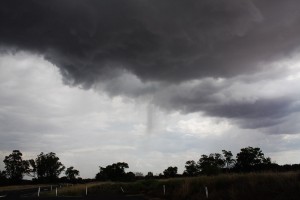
[(159, 43), (169, 40)]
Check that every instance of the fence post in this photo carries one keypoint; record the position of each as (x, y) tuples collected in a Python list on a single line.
[(164, 188), (86, 190), (206, 192), (56, 191), (39, 190)]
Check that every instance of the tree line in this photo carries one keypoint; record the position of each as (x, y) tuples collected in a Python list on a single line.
[(47, 168)]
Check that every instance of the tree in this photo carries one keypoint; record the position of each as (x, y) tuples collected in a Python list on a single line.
[(2, 175), (130, 176), (170, 172), (191, 168), (138, 174), (229, 161), (48, 167), (3, 179), (251, 159), (15, 166), (114, 172), (33, 169), (212, 164), (149, 175), (71, 173)]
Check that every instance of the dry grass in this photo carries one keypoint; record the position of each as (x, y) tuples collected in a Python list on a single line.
[(75, 190), (20, 187), (258, 186), (275, 186), (239, 186)]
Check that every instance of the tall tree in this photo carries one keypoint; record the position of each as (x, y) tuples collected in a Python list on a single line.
[(71, 173), (251, 159), (15, 166), (229, 161), (114, 172), (211, 164), (32, 169), (149, 175), (191, 168), (48, 167), (170, 172), (3, 178)]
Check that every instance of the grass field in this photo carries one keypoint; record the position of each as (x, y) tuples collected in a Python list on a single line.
[(232, 187), (20, 187), (275, 186)]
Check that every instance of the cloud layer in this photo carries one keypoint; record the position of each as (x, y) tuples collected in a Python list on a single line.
[(222, 58), (87, 129)]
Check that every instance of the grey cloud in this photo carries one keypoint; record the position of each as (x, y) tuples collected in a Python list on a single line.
[(246, 105), (160, 49), (167, 41), (261, 113), (128, 85)]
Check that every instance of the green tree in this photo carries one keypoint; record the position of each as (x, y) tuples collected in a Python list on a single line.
[(48, 167), (2, 174), (191, 168), (212, 164), (229, 161), (114, 172), (32, 169), (15, 166), (71, 173), (149, 175), (138, 174), (170, 172), (251, 159), (130, 176), (3, 178)]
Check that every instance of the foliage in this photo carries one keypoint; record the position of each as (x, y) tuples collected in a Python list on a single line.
[(114, 172), (170, 172), (48, 167), (211, 164), (139, 174), (191, 168), (15, 166), (3, 179), (251, 159), (229, 161), (130, 176), (32, 169), (71, 173), (149, 175), (2, 175)]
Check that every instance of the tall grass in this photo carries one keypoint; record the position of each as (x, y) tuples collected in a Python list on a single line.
[(20, 187), (239, 186), (275, 186), (77, 189)]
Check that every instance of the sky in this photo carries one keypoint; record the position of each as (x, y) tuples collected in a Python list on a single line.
[(148, 82)]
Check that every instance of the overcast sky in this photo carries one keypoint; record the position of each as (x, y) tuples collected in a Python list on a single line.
[(152, 83)]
